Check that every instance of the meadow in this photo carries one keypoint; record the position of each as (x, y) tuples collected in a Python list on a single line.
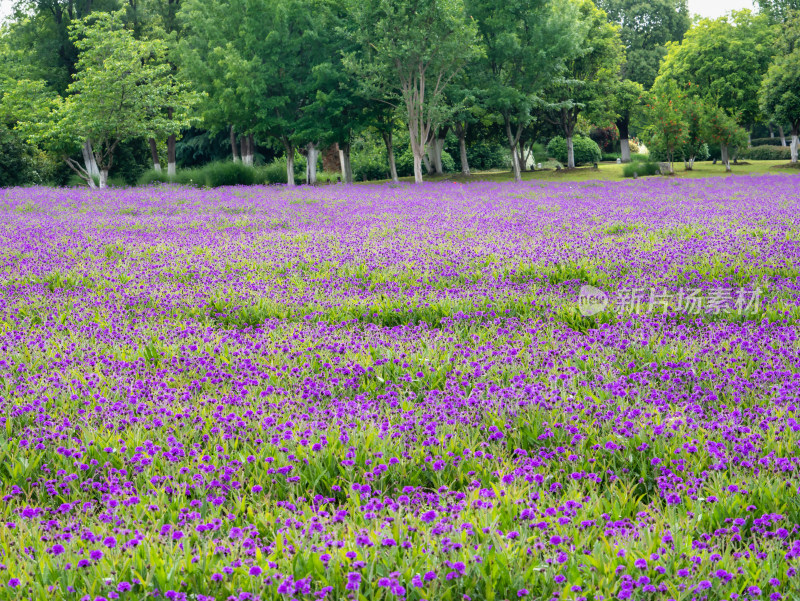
[(389, 392)]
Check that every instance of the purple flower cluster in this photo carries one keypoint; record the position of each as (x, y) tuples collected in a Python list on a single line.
[(371, 391)]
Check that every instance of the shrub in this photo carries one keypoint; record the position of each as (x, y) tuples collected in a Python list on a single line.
[(765, 153), (369, 164), (484, 156), (765, 142), (640, 168), (610, 156), (586, 150), (226, 173), (605, 137)]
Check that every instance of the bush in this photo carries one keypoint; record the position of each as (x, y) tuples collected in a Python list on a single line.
[(610, 156), (586, 150), (765, 153), (226, 173), (605, 137), (640, 168), (369, 164), (483, 156), (765, 142), (15, 163)]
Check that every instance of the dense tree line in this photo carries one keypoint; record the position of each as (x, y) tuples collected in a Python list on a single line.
[(84, 81)]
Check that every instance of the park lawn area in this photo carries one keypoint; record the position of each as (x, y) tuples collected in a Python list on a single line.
[(613, 172)]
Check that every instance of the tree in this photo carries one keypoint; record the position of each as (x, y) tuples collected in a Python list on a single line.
[(720, 128), (590, 77), (627, 96), (525, 45), (411, 50), (646, 27), (668, 130), (780, 90), (121, 91), (778, 11), (723, 61)]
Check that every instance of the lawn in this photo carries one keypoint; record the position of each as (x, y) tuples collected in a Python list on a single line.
[(613, 172), (399, 392)]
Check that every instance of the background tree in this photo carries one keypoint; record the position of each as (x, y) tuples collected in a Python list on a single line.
[(411, 52), (778, 11), (720, 128), (780, 90), (121, 89), (525, 43), (723, 61), (667, 130), (627, 97), (646, 28), (590, 77)]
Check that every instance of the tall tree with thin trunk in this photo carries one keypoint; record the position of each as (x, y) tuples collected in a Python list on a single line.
[(410, 51), (627, 97), (587, 84), (525, 45)]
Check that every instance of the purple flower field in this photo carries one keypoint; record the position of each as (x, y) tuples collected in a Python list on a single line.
[(375, 392)]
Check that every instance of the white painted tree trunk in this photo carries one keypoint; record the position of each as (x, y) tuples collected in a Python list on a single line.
[(90, 163), (688, 164), (103, 178), (795, 142), (783, 137), (171, 153), (233, 145), (347, 168), (725, 160), (625, 150), (515, 165), (290, 167), (570, 153), (462, 149), (311, 164), (771, 130), (154, 155)]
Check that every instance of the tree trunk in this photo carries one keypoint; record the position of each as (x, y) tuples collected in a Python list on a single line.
[(246, 142), (688, 164), (311, 164), (154, 155), (521, 158), (426, 159), (417, 168), (103, 178), (289, 148), (783, 137), (437, 147), (771, 130), (387, 140), (171, 156), (625, 150), (233, 145), (90, 163), (570, 153), (347, 168), (795, 142), (723, 150), (462, 150)]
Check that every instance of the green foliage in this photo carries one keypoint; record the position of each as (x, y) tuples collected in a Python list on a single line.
[(780, 91), (766, 142), (16, 167), (586, 150), (723, 62), (646, 27), (590, 77), (609, 156), (640, 168), (765, 153)]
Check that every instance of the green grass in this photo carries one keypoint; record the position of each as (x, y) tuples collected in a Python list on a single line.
[(610, 172)]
